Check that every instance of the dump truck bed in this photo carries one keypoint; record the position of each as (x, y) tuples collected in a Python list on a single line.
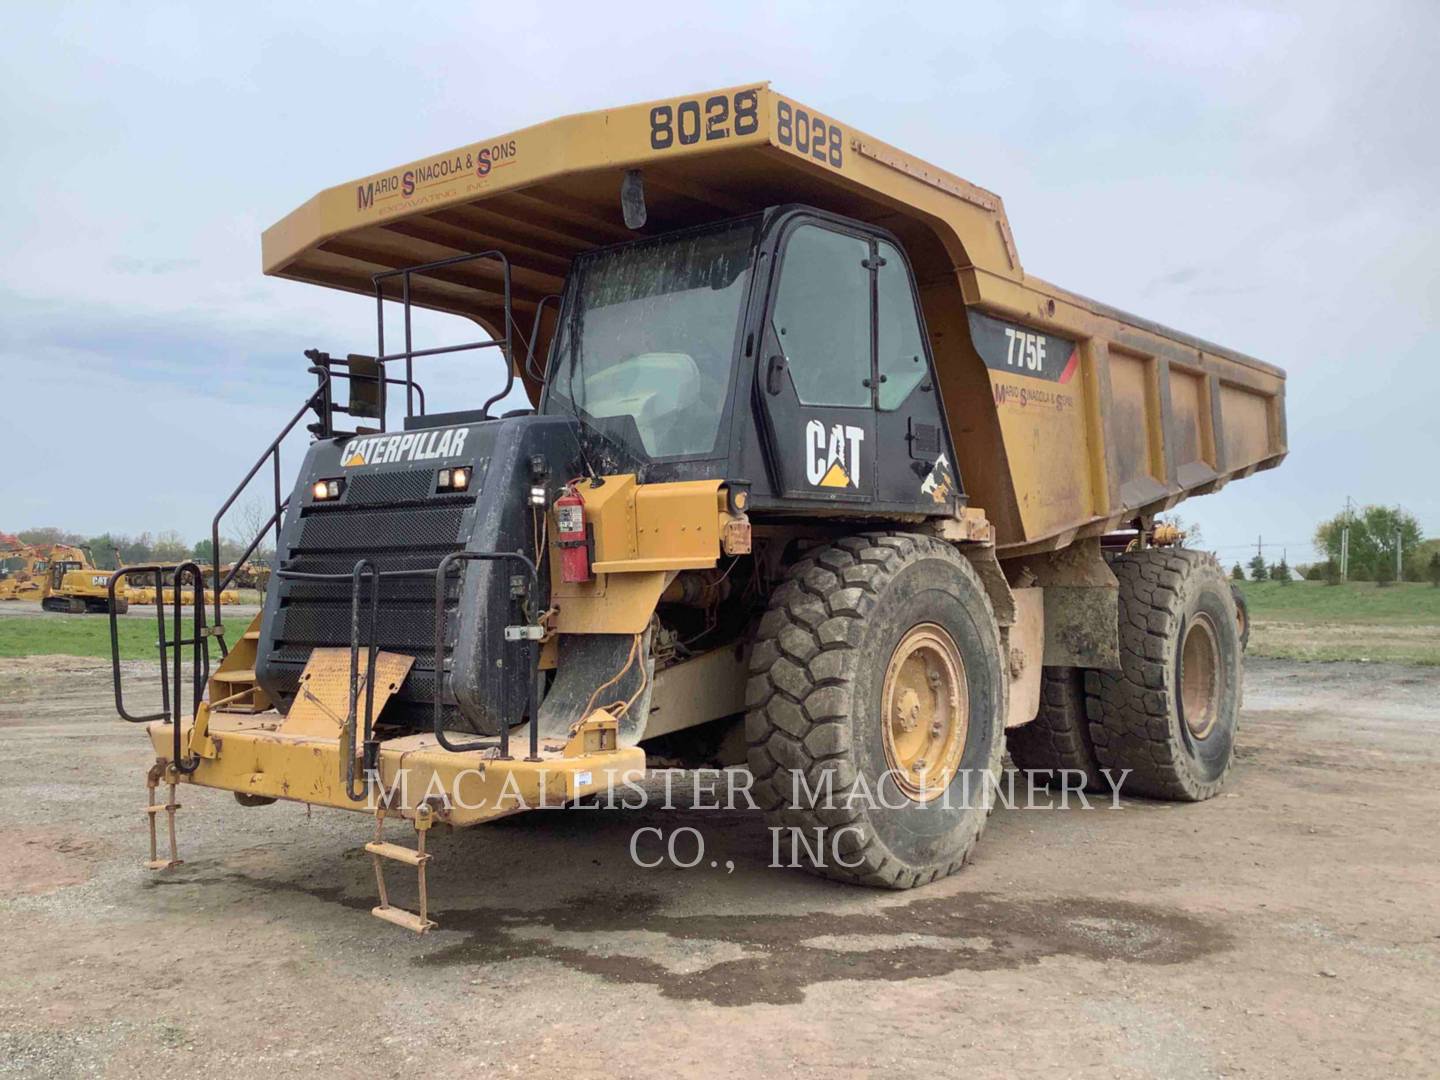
[(1069, 418)]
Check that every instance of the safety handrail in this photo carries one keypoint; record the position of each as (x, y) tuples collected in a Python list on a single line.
[(410, 353), (321, 395), (532, 648), (171, 699), (371, 746), (530, 342), (364, 570)]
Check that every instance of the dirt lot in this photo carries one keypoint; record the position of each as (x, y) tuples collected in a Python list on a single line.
[(1289, 927)]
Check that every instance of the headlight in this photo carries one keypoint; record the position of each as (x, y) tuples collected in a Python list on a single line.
[(326, 490), (457, 479)]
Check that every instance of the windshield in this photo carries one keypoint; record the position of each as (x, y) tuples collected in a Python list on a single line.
[(650, 336)]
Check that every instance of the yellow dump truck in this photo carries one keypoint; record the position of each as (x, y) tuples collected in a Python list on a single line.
[(815, 478)]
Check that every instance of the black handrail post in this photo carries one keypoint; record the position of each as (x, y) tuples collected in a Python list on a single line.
[(276, 459), (532, 702), (441, 573), (115, 656), (362, 567), (508, 346), (379, 324), (215, 558), (370, 750), (409, 350), (176, 698), (530, 369), (199, 669), (162, 644)]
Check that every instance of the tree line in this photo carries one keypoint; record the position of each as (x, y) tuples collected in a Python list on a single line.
[(162, 547), (1386, 544)]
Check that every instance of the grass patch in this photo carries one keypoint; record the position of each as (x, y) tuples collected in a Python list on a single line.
[(1309, 620), (1355, 602), (80, 635)]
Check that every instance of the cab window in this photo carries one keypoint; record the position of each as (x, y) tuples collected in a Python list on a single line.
[(822, 316), (902, 348)]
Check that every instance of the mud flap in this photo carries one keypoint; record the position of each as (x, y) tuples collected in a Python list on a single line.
[(587, 661)]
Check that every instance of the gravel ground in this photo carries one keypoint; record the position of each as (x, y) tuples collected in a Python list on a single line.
[(1288, 927)]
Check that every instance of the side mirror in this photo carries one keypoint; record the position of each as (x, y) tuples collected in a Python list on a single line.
[(367, 386), (632, 199)]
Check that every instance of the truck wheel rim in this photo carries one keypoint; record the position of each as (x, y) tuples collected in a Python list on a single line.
[(927, 712), (1200, 676)]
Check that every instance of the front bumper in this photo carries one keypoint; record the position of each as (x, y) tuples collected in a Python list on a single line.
[(252, 756)]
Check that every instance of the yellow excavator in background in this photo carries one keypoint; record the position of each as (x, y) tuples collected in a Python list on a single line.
[(72, 584)]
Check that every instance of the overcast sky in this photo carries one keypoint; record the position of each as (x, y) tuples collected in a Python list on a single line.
[(1264, 175)]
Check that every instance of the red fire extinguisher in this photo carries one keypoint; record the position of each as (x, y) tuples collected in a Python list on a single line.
[(573, 543)]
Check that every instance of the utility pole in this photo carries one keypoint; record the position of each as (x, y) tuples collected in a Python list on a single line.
[(1399, 567), (1345, 543)]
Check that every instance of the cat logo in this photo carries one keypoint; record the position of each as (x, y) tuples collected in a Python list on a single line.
[(833, 460), (413, 446)]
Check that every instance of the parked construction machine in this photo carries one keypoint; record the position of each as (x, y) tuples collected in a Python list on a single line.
[(21, 568), (71, 583), (813, 478)]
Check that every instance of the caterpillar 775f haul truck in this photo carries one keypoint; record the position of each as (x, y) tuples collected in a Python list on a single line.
[(815, 478)]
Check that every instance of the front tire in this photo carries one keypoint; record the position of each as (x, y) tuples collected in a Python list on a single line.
[(876, 708), (1169, 714)]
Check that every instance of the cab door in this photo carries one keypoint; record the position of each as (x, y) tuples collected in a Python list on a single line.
[(814, 381)]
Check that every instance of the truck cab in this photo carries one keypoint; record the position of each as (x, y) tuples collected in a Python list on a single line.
[(787, 348)]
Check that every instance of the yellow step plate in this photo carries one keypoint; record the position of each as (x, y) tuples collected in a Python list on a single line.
[(244, 675), (396, 852), (324, 694), (400, 917)]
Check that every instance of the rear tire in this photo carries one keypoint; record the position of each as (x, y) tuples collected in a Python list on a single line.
[(1169, 715), (1059, 736), (873, 628)]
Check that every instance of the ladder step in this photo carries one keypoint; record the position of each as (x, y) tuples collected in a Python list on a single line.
[(163, 864), (247, 675), (250, 635), (240, 707), (160, 808), (400, 917), (396, 852)]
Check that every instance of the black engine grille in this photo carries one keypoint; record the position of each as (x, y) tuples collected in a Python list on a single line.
[(393, 520), (380, 529)]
